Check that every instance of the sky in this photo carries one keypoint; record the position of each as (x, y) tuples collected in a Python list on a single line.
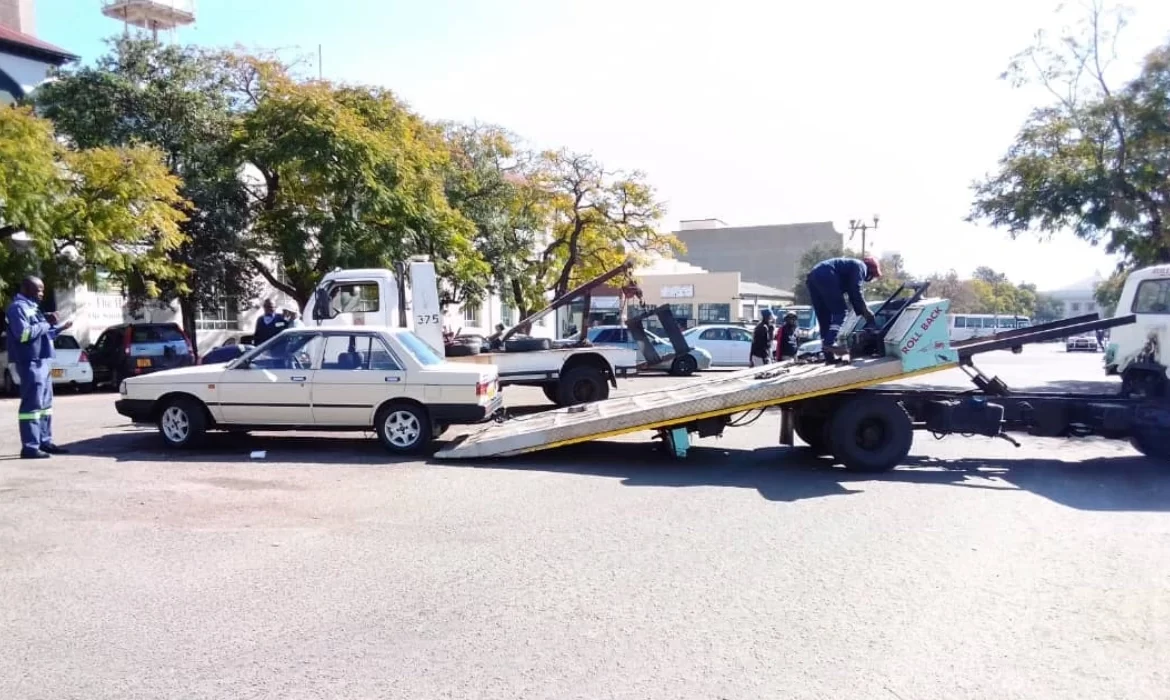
[(753, 112)]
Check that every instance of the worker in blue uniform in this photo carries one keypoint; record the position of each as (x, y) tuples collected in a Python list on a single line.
[(30, 352), (829, 282)]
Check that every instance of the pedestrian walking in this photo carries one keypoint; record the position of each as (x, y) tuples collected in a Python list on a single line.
[(761, 350), (30, 351), (269, 325)]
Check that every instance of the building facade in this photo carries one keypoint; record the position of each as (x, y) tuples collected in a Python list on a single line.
[(767, 255), (1078, 298), (25, 61)]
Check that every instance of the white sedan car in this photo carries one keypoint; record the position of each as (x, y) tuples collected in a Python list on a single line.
[(728, 344), (336, 378), (70, 368)]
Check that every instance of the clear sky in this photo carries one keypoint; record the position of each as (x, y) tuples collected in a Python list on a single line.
[(754, 112)]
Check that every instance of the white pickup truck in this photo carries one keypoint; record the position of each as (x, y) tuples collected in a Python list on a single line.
[(568, 375)]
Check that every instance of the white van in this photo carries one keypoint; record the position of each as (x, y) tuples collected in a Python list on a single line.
[(1135, 350)]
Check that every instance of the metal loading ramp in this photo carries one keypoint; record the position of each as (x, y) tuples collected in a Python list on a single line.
[(706, 398)]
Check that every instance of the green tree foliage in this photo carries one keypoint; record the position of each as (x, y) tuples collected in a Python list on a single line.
[(595, 220), (487, 181), (349, 177), (113, 208), (176, 99), (1096, 160)]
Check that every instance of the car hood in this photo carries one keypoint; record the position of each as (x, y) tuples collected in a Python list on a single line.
[(810, 346), (183, 375)]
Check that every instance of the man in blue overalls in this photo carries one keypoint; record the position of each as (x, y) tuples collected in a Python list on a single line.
[(30, 351), (828, 284)]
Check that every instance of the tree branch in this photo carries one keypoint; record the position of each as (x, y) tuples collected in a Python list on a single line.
[(266, 273)]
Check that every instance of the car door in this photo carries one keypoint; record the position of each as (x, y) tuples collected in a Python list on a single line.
[(106, 352), (714, 341), (739, 345), (357, 373), (273, 387)]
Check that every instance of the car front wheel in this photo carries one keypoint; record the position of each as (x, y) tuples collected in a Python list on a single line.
[(182, 422), (403, 428)]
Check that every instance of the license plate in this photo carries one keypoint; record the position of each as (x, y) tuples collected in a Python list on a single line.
[(57, 373), (144, 362)]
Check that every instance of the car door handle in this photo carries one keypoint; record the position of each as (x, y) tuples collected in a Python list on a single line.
[(298, 379)]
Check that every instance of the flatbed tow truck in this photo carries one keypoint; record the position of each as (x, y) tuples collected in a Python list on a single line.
[(838, 411)]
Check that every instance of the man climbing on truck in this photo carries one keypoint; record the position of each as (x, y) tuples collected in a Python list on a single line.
[(829, 282)]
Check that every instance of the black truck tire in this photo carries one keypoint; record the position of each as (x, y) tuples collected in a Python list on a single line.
[(527, 344), (461, 350), (870, 434), (582, 385), (1154, 444), (550, 391), (813, 429)]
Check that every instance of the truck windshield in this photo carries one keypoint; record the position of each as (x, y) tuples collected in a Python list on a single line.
[(418, 347)]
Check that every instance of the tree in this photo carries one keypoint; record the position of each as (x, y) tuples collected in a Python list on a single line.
[(596, 219), (1096, 160), (112, 208), (1047, 309), (487, 182), (348, 177), (178, 99)]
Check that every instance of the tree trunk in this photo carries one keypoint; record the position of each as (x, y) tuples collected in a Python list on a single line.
[(187, 309)]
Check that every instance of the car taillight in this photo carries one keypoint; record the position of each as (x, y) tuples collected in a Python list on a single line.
[(83, 357), (127, 338), (481, 389)]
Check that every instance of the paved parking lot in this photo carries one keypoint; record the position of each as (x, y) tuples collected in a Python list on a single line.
[(329, 570)]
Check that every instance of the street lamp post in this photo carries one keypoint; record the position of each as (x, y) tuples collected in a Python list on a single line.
[(856, 225)]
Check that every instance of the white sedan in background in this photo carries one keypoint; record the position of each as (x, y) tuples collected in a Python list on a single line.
[(70, 368), (728, 344)]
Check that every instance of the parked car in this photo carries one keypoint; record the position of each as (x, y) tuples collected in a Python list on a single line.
[(224, 353), (1086, 342), (334, 378), (133, 349), (682, 366), (727, 343), (70, 368)]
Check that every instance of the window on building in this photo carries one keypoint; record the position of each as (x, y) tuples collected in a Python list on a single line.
[(471, 313), (507, 314), (1152, 297), (683, 311), (714, 313), (1075, 307), (1090, 307), (219, 314)]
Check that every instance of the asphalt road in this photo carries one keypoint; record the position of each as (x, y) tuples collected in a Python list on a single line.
[(328, 570)]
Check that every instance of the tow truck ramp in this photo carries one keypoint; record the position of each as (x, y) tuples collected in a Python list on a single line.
[(916, 343)]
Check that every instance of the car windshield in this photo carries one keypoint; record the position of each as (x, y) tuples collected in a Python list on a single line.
[(418, 347)]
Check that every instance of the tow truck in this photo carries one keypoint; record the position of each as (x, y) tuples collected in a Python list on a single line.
[(846, 412)]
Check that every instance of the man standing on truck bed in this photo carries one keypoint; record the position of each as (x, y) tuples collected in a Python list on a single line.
[(270, 324), (828, 283), (30, 350)]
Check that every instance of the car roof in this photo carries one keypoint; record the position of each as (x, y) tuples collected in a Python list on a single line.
[(348, 329)]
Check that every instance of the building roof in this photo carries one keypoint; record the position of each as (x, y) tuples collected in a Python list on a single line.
[(754, 289), (21, 44)]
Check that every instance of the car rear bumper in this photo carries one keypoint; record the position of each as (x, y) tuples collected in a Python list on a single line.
[(459, 413), (137, 410)]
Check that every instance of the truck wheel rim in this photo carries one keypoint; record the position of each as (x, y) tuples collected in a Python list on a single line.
[(175, 424), (584, 391), (871, 434), (402, 428)]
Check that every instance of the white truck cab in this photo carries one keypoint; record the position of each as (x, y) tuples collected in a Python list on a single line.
[(375, 297), (1135, 350)]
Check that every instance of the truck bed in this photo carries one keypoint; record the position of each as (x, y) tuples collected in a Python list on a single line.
[(704, 398)]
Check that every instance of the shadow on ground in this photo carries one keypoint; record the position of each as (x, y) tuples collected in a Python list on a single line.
[(1122, 483)]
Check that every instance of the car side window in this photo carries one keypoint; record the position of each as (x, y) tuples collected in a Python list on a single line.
[(739, 335), (294, 351), (714, 334), (357, 352)]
